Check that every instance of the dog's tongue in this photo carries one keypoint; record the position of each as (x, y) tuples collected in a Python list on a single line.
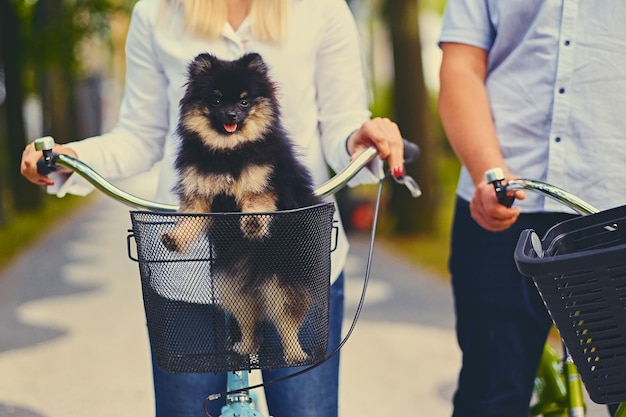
[(230, 127)]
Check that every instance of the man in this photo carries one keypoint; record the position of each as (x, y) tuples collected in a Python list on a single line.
[(536, 87)]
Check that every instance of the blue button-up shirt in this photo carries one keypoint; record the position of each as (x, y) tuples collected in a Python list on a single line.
[(557, 86)]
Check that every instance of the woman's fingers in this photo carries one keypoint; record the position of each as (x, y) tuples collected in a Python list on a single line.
[(385, 136)]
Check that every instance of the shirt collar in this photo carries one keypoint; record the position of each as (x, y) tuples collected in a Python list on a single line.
[(241, 36)]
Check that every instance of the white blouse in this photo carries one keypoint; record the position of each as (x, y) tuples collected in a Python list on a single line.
[(321, 88)]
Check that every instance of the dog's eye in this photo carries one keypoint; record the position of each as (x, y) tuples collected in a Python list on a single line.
[(244, 103), (216, 102)]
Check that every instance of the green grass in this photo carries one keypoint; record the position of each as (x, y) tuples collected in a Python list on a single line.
[(23, 229)]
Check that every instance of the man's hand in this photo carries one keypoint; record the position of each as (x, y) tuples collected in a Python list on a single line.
[(489, 213)]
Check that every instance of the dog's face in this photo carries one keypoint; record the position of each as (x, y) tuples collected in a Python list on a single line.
[(228, 102)]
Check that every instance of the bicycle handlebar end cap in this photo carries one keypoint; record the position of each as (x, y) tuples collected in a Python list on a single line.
[(494, 174), (45, 143), (411, 151)]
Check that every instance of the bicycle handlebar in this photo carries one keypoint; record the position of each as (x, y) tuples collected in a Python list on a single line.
[(495, 176), (51, 161)]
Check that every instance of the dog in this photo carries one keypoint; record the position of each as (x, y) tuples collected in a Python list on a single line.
[(236, 156)]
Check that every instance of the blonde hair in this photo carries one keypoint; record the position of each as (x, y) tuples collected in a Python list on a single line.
[(268, 18)]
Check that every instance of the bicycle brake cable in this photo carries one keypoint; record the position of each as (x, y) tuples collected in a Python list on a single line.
[(357, 314)]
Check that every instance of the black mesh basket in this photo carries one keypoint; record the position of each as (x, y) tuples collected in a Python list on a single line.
[(579, 268), (233, 291)]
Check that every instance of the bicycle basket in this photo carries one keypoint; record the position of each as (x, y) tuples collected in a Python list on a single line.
[(235, 291), (579, 267)]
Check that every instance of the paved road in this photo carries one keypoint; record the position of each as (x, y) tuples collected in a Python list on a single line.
[(73, 340)]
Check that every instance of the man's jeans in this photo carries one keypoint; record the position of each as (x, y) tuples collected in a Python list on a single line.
[(501, 321)]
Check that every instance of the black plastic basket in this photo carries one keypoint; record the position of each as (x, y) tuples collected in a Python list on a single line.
[(579, 267), (264, 272)]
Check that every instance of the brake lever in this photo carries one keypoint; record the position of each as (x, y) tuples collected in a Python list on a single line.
[(410, 184), (411, 153)]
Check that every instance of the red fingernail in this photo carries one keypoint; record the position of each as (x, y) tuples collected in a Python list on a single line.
[(398, 172)]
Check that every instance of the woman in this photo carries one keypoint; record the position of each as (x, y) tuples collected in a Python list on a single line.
[(311, 47)]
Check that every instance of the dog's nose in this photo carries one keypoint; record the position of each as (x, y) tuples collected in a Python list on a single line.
[(232, 116)]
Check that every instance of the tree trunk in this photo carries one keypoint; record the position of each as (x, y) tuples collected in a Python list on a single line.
[(413, 115), (3, 144), (3, 150), (26, 196), (56, 82)]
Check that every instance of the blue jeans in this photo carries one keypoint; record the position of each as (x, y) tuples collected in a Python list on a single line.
[(501, 321), (312, 394)]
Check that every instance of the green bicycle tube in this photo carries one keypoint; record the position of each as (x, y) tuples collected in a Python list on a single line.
[(550, 387), (621, 410), (575, 399)]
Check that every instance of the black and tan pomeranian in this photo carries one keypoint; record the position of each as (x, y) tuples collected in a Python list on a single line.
[(235, 155)]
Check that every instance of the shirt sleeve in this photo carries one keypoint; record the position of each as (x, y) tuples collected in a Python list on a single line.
[(468, 22), (136, 143), (342, 95)]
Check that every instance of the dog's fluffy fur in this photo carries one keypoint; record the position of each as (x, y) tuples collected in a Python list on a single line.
[(235, 155)]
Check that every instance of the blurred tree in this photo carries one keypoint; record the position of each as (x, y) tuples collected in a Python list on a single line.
[(3, 187), (41, 55), (58, 29), (55, 68), (25, 196), (412, 112)]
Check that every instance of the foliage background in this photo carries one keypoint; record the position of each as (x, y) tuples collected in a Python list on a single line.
[(57, 55)]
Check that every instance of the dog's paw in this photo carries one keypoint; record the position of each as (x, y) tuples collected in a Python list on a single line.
[(295, 356), (245, 347), (170, 242), (255, 227)]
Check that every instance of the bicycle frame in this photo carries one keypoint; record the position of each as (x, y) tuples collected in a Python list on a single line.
[(239, 402), (558, 385)]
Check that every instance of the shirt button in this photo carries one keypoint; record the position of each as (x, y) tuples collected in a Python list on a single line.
[(566, 43), (557, 139), (561, 90)]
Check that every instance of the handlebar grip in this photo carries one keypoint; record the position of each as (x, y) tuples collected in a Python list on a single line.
[(42, 167), (47, 164), (495, 176), (411, 151)]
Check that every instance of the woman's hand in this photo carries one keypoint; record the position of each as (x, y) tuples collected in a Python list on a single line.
[(385, 136), (487, 211), (30, 156)]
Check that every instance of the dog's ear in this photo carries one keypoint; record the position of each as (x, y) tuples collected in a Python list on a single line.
[(253, 61), (201, 64)]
